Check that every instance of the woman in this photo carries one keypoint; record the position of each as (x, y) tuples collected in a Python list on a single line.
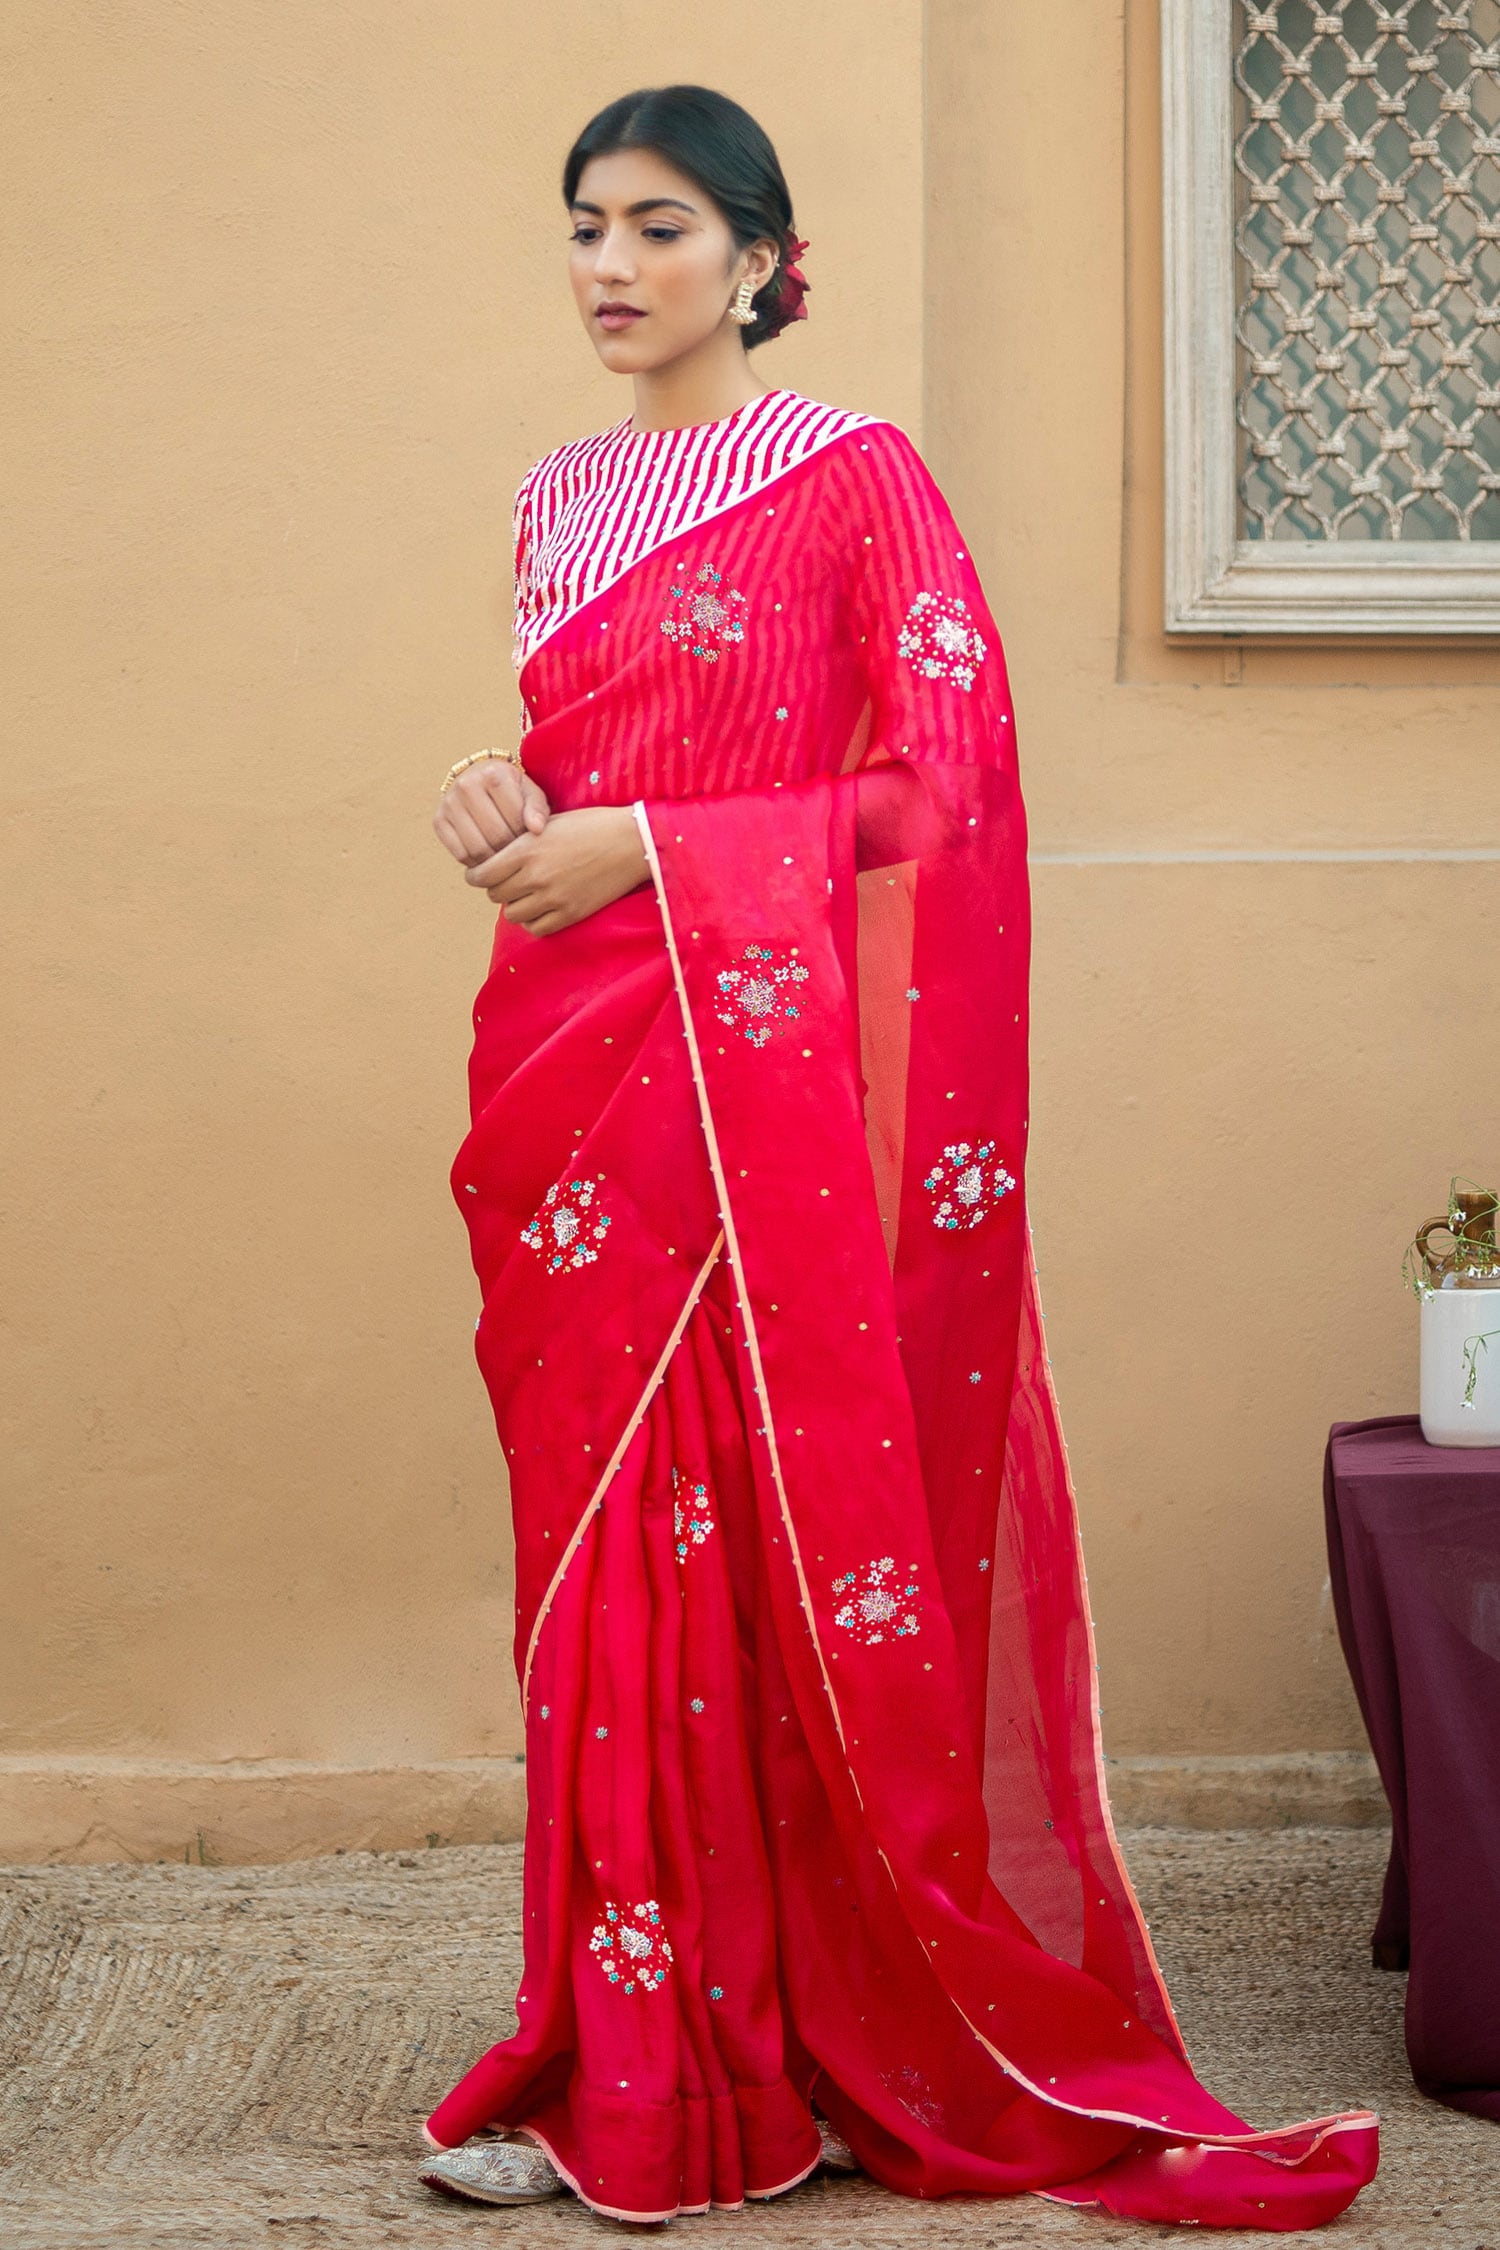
[(819, 1867)]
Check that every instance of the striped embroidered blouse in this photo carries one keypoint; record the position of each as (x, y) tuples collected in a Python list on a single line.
[(587, 512)]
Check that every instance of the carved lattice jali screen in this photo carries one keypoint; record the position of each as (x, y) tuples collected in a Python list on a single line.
[(1367, 269)]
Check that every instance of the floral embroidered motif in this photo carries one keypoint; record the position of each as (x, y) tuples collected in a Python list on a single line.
[(566, 1225), (709, 613), (966, 1183), (632, 1951), (691, 1521), (758, 998), (940, 639), (879, 1605)]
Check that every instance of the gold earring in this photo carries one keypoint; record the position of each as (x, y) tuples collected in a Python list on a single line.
[(742, 311)]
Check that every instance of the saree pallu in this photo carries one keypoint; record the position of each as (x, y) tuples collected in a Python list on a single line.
[(815, 1800)]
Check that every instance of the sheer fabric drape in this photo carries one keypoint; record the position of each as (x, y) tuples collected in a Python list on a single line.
[(816, 1811)]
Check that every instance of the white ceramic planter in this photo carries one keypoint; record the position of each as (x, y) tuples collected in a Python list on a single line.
[(1451, 1319)]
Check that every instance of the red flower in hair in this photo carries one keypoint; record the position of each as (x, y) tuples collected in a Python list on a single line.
[(794, 284)]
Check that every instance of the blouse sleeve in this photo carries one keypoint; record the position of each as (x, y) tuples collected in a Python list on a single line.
[(934, 660), (940, 702)]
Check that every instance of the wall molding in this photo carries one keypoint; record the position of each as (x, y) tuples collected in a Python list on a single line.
[(248, 1811), (1283, 1789), (1293, 856)]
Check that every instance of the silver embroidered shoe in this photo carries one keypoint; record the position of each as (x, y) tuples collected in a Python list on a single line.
[(493, 2171), (838, 2156)]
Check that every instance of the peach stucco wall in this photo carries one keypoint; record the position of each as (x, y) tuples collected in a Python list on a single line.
[(291, 319), (1255, 1074)]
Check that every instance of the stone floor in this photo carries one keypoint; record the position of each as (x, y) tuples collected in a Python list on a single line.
[(228, 2056)]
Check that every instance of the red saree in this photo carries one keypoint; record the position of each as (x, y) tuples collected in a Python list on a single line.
[(815, 1800)]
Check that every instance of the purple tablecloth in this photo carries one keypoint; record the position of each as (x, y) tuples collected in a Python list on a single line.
[(1414, 1553)]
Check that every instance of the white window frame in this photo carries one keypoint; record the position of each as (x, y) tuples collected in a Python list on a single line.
[(1216, 581)]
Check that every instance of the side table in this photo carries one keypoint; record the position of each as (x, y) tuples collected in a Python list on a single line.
[(1414, 1558)]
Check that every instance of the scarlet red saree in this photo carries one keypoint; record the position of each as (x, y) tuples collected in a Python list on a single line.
[(815, 1801)]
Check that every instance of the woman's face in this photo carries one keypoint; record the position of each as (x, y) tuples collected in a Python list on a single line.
[(648, 241)]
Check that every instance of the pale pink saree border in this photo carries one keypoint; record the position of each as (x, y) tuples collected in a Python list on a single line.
[(1341, 2121), (752, 1336), (596, 1498)]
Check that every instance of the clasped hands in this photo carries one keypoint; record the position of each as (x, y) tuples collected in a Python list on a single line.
[(544, 870)]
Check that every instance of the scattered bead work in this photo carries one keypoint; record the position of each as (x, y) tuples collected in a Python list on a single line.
[(716, 1992), (706, 615), (758, 998), (879, 1602), (940, 639), (966, 1183), (632, 1950), (691, 1520), (561, 1228)]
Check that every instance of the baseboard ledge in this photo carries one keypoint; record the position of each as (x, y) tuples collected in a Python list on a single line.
[(246, 1811), (1283, 1789), (243, 1812)]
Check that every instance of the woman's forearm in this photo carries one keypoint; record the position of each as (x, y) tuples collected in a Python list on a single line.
[(579, 862)]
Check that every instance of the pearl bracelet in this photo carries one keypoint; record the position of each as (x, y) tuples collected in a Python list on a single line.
[(461, 765)]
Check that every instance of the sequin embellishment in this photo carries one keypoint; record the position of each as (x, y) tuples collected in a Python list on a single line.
[(879, 1603), (939, 637), (566, 1225), (966, 1183), (757, 998), (691, 1520), (632, 1951), (915, 2095), (709, 612)]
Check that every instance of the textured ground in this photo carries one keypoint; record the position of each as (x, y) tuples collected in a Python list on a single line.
[(228, 2056)]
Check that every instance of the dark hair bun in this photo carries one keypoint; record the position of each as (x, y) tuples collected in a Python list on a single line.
[(712, 140)]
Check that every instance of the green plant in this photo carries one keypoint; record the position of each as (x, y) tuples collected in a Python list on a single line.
[(1472, 1350), (1471, 1223)]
